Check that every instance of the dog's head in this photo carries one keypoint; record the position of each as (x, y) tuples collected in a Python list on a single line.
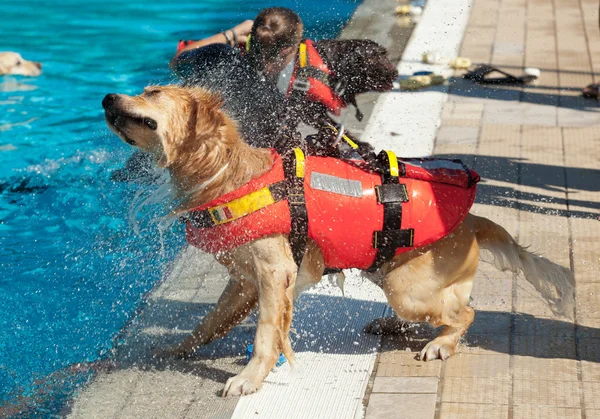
[(360, 65), (173, 123), (12, 63)]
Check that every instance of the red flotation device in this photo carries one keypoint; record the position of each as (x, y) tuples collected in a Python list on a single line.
[(311, 76), (345, 207)]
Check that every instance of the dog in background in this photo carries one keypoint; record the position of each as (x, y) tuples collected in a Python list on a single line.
[(357, 66), (188, 133), (11, 63)]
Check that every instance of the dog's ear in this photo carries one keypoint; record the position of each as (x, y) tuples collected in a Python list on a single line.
[(206, 116), (203, 122)]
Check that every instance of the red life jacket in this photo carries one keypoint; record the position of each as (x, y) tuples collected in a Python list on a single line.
[(183, 43), (311, 77), (344, 210)]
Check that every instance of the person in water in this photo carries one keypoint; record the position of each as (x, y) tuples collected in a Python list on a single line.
[(271, 43), (316, 77)]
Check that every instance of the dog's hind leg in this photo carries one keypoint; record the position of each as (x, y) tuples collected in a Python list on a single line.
[(311, 270), (435, 286), (275, 272)]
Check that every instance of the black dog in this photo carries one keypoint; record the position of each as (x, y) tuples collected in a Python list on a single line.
[(357, 66)]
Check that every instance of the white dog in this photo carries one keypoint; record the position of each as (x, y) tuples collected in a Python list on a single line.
[(12, 63)]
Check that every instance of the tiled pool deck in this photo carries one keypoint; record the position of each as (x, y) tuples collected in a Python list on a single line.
[(538, 150)]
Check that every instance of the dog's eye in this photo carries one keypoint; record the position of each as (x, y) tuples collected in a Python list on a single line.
[(18, 63), (152, 92), (150, 123)]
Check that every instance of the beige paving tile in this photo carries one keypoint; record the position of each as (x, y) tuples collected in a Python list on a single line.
[(589, 353), (543, 326), (588, 299), (590, 371), (451, 151), (486, 366), (457, 135), (544, 346), (484, 345), (546, 393), (545, 412), (490, 323), (471, 410), (405, 385), (586, 248), (588, 327), (591, 390), (456, 122), (529, 301), (401, 406), (492, 291), (475, 390), (405, 365), (548, 369)]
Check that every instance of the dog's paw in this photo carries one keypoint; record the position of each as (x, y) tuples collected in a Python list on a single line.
[(385, 326), (437, 349), (239, 386)]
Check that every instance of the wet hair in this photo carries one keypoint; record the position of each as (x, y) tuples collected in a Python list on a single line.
[(274, 29)]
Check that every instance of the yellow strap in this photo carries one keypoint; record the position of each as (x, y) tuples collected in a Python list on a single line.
[(248, 43), (300, 162), (350, 142), (393, 163), (345, 137), (242, 206), (302, 54)]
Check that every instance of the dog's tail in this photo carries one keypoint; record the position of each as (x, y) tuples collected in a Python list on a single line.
[(555, 283)]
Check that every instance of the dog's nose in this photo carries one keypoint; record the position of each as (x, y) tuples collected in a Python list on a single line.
[(38, 65), (109, 100)]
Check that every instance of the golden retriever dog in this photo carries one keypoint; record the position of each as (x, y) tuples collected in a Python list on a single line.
[(11, 63), (189, 134)]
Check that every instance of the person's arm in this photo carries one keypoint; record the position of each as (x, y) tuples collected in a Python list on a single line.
[(238, 34)]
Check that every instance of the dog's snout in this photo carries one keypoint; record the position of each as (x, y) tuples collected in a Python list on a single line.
[(109, 100)]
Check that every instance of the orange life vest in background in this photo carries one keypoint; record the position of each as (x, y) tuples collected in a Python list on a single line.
[(344, 205), (311, 76)]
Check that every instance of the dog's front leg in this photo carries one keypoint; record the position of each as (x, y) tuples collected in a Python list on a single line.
[(275, 273), (237, 301)]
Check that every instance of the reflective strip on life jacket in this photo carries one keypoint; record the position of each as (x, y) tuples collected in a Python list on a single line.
[(241, 207)]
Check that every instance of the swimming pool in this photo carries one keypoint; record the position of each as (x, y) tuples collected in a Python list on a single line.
[(72, 271)]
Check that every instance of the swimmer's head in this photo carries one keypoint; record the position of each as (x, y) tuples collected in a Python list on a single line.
[(275, 36)]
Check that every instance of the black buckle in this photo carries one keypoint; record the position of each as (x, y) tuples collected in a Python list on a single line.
[(391, 192), (393, 238), (296, 198)]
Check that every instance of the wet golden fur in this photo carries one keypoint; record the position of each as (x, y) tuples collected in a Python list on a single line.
[(192, 137), (11, 63)]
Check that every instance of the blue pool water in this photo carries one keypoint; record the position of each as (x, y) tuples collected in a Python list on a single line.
[(72, 271)]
